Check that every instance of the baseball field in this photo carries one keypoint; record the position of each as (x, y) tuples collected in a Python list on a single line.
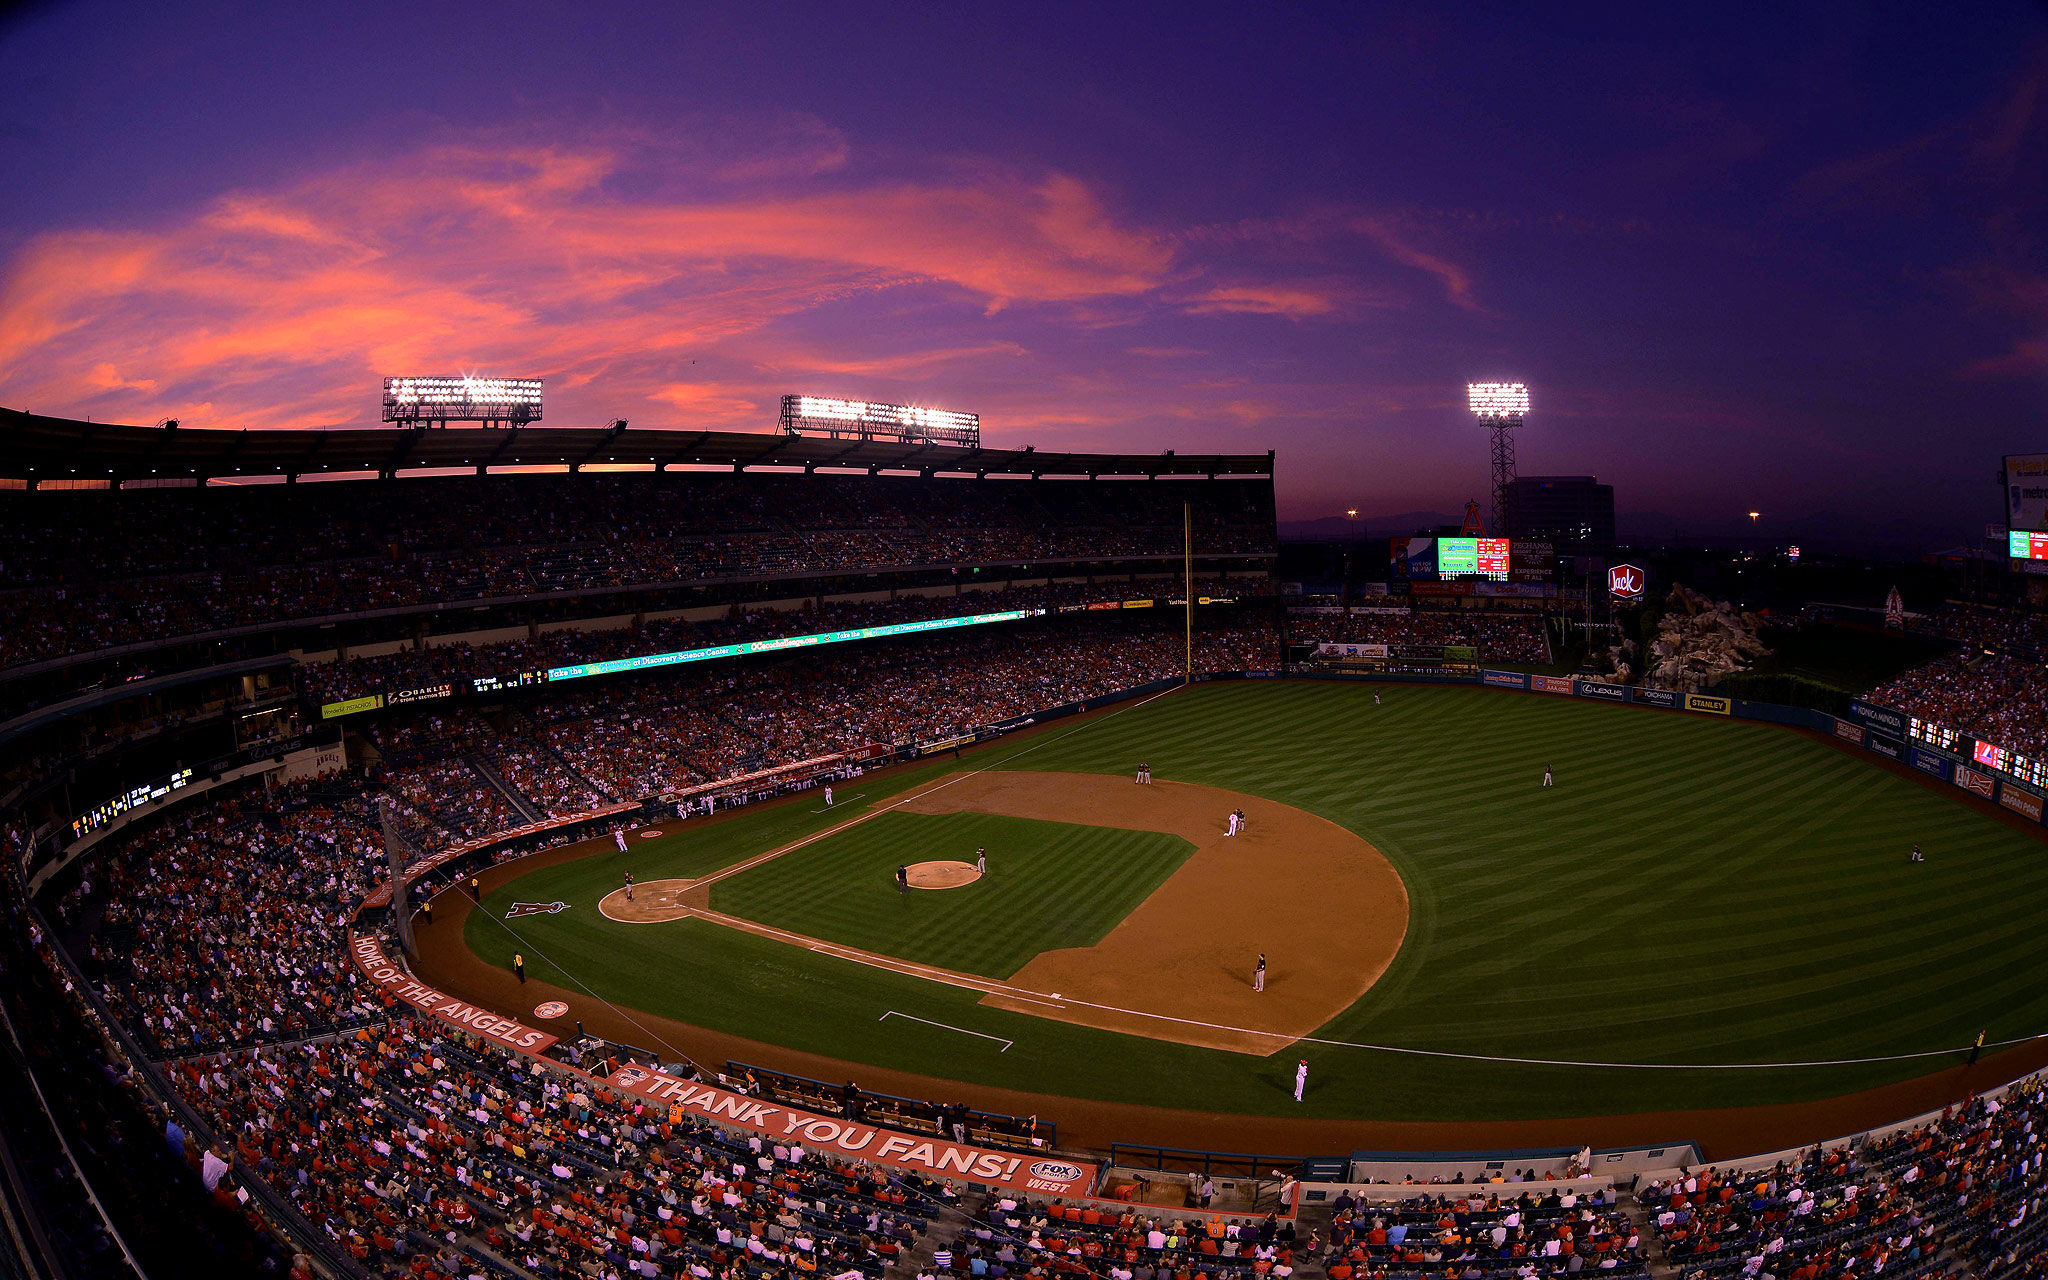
[(1701, 914)]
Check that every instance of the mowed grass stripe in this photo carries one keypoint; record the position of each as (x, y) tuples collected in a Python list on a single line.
[(1693, 889)]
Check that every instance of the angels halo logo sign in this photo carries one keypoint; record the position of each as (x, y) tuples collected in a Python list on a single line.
[(1625, 581), (550, 1009)]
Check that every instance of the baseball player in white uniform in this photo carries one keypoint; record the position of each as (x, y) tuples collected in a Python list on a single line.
[(828, 795), (1300, 1078)]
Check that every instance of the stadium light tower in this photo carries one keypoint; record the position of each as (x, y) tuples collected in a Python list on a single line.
[(1500, 406)]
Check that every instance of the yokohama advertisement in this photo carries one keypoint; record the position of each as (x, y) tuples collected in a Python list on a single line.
[(1654, 697), (1042, 1175), (463, 1016)]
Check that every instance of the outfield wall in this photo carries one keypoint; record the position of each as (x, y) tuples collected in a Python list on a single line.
[(1932, 749)]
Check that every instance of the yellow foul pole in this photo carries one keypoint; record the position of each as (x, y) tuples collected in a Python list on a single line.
[(1187, 518)]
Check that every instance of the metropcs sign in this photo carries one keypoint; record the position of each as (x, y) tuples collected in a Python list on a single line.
[(1626, 581)]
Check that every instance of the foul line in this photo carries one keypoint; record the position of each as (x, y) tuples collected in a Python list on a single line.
[(988, 986), (948, 1026), (850, 823)]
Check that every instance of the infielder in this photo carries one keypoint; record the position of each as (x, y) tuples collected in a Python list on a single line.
[(1259, 973), (1233, 823), (1144, 773), (1300, 1078)]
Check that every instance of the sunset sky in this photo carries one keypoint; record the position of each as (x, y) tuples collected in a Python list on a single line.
[(1743, 259)]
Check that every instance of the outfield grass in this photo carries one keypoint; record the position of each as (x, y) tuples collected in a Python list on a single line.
[(1693, 891), (1050, 884)]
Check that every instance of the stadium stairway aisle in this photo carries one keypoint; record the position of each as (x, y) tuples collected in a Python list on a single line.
[(1654, 1259), (475, 760)]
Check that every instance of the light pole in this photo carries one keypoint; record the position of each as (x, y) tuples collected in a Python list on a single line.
[(1501, 407)]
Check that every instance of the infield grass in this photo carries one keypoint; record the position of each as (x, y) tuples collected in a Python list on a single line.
[(1694, 890), (1050, 884)]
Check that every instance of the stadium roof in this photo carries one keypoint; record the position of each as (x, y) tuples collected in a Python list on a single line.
[(39, 449)]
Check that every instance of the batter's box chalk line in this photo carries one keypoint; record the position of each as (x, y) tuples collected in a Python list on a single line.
[(950, 1027)]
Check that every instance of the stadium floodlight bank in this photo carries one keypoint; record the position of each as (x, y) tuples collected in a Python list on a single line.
[(1498, 399), (515, 401), (870, 420)]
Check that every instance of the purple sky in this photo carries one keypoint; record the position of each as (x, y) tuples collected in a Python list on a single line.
[(1745, 260)]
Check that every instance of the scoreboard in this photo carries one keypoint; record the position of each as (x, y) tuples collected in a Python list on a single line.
[(1468, 556), (2025, 545)]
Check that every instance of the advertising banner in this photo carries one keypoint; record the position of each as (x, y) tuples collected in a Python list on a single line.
[(1878, 719), (1531, 561), (2026, 491), (377, 967), (1504, 679), (1927, 761), (1600, 689), (928, 1155), (1551, 684), (1328, 649), (1463, 587), (2019, 801), (1411, 557), (426, 693), (1890, 748), (1972, 781), (1626, 581), (1516, 590), (351, 706), (1849, 732), (1653, 697), (1708, 704)]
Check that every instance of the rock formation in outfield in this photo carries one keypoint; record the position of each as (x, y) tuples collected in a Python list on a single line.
[(1700, 642)]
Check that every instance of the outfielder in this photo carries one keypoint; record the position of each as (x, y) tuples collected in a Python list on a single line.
[(1546, 775)]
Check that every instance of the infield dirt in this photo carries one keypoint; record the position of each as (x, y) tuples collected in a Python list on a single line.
[(1180, 967)]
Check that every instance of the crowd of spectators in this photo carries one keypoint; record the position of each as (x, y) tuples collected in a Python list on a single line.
[(1485, 1230), (1503, 637), (225, 926), (1978, 1174), (1986, 628), (1825, 1217), (425, 1153), (93, 570), (1995, 698)]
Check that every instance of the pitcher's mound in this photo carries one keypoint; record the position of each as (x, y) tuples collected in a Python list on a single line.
[(654, 902), (942, 875)]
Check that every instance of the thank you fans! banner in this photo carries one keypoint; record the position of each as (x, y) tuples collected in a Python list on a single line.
[(924, 1153), (1029, 1172)]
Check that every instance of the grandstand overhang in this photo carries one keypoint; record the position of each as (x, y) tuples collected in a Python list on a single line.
[(40, 450)]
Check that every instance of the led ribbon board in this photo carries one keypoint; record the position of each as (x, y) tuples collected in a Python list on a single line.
[(617, 665)]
